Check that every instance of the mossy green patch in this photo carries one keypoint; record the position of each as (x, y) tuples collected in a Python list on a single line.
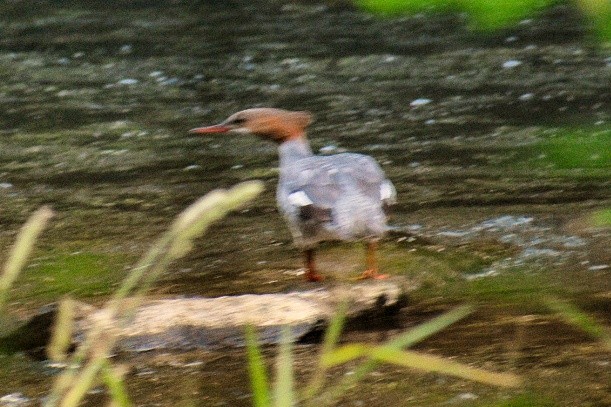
[(79, 274), (601, 218), (398, 7), (577, 154), (493, 15), (584, 148), (523, 400)]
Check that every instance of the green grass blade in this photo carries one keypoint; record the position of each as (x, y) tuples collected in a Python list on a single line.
[(86, 380), (409, 338), (177, 241), (284, 393), (22, 249), (431, 327), (72, 384), (256, 370), (334, 330), (61, 336), (437, 364), (116, 386), (332, 335), (344, 354), (574, 316)]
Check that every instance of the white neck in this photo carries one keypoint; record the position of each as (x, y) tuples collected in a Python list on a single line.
[(293, 150)]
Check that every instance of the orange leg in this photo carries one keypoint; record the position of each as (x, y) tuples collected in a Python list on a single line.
[(372, 263), (311, 273)]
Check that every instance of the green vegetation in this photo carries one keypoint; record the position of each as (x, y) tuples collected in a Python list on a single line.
[(487, 15), (317, 394), (578, 148), (21, 251), (93, 366), (90, 362), (601, 218), (579, 319), (526, 400), (77, 274)]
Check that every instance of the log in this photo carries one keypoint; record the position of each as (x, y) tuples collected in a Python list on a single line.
[(210, 323)]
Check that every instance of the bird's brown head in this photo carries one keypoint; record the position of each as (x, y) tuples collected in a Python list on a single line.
[(275, 124)]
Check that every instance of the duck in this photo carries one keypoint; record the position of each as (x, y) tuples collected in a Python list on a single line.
[(337, 197)]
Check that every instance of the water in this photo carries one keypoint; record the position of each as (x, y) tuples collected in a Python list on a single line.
[(97, 104)]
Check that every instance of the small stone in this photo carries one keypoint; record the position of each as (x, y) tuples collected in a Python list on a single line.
[(328, 149), (512, 63), (462, 397), (128, 81), (170, 81), (390, 58), (14, 400), (420, 102), (526, 97), (126, 49)]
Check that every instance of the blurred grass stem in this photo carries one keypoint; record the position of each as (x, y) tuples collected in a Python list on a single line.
[(73, 383), (22, 249)]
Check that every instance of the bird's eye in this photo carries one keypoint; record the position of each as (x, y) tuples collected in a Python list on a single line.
[(238, 121)]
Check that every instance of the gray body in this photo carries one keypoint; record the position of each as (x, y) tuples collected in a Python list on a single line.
[(336, 197)]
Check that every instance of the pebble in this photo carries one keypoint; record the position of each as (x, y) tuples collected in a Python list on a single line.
[(14, 400), (463, 397), (128, 81), (126, 49), (328, 149), (390, 58), (420, 102), (505, 222), (527, 96), (512, 63)]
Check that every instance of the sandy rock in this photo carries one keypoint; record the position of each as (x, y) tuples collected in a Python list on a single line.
[(185, 323)]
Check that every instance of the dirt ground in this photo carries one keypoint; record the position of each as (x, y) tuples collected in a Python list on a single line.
[(498, 145)]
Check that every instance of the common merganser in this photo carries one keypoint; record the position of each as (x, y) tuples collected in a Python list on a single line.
[(333, 197)]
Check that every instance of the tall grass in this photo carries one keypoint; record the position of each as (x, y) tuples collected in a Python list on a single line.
[(90, 363), (315, 393), (21, 250)]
